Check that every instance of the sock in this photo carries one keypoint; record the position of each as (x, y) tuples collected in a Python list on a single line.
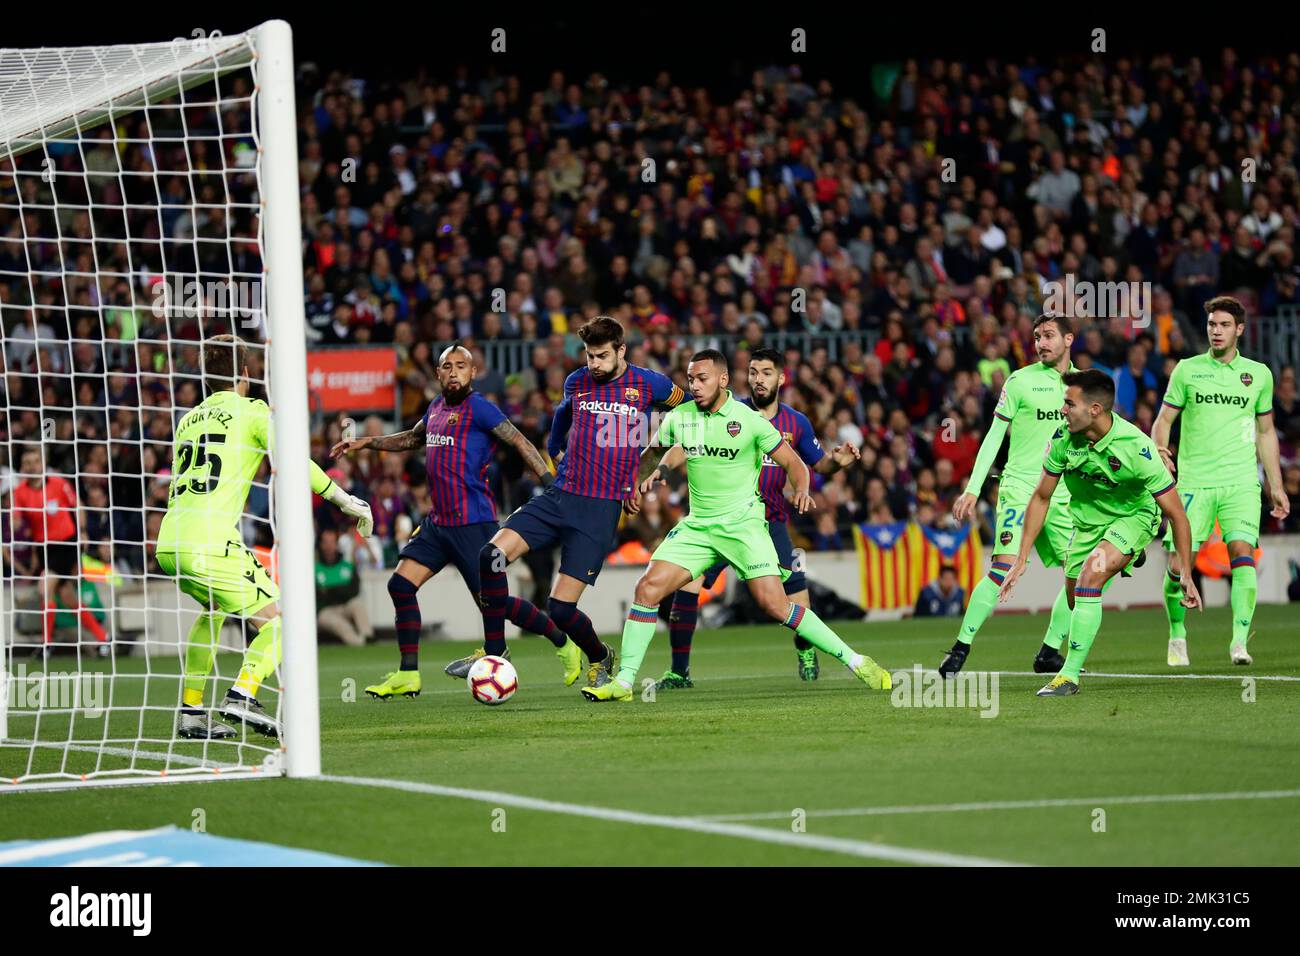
[(813, 629), (50, 611), (260, 659), (530, 617), (983, 599), (1174, 609), (1058, 627), (200, 651), (681, 629), (493, 592), (638, 631), (1085, 622), (1245, 585), (406, 618), (578, 626)]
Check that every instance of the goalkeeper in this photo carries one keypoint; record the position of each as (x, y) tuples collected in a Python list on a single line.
[(219, 447)]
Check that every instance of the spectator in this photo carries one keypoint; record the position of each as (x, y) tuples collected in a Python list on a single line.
[(340, 608), (943, 597)]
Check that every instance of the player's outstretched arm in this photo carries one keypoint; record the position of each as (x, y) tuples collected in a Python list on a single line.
[(1171, 503), (796, 472), (1270, 458), (1035, 513), (399, 441), (1160, 430), (352, 506), (841, 457), (508, 434), (964, 506)]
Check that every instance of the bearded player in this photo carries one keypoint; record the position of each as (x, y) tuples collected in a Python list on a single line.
[(457, 432)]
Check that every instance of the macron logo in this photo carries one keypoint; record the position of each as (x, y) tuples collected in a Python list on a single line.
[(103, 909)]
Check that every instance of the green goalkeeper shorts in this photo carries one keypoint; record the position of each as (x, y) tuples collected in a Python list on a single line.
[(740, 538), (1129, 535), (1009, 524), (1237, 508), (233, 583)]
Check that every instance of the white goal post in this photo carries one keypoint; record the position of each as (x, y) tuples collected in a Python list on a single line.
[(162, 166)]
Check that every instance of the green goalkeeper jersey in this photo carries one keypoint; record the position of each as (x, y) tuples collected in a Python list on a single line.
[(1118, 476), (1030, 405), (1219, 402), (219, 447), (724, 453)]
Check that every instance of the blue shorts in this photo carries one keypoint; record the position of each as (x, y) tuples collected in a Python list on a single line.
[(785, 554), (436, 546), (584, 527)]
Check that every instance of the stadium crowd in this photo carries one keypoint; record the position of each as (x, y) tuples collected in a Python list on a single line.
[(928, 213)]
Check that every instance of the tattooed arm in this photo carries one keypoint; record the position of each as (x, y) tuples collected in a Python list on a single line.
[(508, 434), (401, 441)]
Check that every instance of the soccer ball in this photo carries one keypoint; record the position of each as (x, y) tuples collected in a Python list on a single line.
[(492, 680)]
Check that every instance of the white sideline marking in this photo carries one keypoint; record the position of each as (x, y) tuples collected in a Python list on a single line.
[(1017, 805), (895, 670), (806, 841), (74, 844)]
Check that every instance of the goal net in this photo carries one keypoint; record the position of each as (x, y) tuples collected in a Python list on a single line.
[(148, 202)]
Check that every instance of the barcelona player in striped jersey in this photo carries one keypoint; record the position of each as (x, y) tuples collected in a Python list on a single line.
[(457, 433), (766, 379), (597, 435)]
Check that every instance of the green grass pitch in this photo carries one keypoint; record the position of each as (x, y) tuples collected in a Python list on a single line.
[(751, 744)]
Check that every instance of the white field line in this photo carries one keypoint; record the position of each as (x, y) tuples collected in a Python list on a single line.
[(1015, 805), (805, 841)]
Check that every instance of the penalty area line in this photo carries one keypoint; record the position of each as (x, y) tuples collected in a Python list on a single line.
[(806, 841), (1016, 805)]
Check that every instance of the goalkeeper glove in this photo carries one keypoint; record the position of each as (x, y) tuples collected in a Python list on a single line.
[(353, 507)]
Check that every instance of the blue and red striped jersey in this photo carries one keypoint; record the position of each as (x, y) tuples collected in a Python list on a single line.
[(603, 428), (799, 435), (458, 451)]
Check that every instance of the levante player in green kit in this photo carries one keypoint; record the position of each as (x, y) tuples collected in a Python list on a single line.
[(1226, 402), (1030, 406), (1118, 488), (220, 445), (725, 441)]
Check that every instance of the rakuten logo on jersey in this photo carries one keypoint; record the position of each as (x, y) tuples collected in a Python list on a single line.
[(709, 451), (609, 408), (439, 441), (1239, 401)]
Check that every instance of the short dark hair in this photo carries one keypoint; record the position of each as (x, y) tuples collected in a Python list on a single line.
[(224, 359), (1095, 384), (1226, 303), (768, 355), (711, 355), (602, 330), (1062, 323)]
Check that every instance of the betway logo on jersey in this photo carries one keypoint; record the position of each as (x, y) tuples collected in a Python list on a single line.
[(709, 451), (608, 408), (1238, 401), (1053, 415), (439, 441)]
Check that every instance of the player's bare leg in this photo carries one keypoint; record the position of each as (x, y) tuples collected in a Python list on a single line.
[(1245, 586), (1174, 610), (661, 578), (771, 597)]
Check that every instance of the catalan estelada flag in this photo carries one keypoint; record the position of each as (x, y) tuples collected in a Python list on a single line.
[(959, 547), (890, 557)]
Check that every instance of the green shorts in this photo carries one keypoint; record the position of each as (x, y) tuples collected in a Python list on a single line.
[(1237, 507), (740, 538), (1053, 540), (233, 583), (1129, 535)]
